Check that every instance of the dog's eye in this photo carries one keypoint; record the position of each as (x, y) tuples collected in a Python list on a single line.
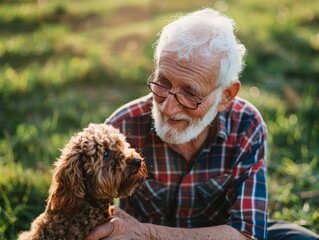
[(106, 155)]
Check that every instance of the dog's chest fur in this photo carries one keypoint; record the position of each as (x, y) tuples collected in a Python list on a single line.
[(57, 225)]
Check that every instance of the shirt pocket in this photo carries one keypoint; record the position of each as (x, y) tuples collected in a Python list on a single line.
[(211, 190), (212, 204)]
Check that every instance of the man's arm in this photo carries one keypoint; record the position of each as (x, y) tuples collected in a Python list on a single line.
[(221, 232), (125, 227)]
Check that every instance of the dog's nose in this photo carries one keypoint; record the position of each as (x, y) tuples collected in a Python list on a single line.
[(136, 162)]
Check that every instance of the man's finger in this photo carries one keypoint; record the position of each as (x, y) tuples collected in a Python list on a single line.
[(101, 231), (117, 211)]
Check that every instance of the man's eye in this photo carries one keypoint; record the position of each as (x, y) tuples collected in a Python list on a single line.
[(164, 85), (190, 93), (163, 82)]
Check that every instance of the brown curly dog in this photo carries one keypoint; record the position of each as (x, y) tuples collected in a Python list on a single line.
[(96, 166)]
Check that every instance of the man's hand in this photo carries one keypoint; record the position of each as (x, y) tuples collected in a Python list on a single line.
[(122, 226)]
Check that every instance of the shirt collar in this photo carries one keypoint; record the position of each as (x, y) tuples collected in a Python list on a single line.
[(222, 124)]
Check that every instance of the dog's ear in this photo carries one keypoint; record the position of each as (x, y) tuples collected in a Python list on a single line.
[(67, 189)]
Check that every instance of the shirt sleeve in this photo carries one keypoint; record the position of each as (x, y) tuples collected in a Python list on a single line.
[(248, 192)]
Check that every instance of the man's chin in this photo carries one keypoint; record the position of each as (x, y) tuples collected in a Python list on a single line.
[(173, 136), (174, 140)]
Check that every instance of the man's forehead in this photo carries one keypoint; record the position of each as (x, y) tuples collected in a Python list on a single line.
[(197, 64)]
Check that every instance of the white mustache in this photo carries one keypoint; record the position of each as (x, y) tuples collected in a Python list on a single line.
[(178, 117), (175, 117)]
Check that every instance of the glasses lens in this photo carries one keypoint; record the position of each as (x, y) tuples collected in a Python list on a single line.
[(158, 90), (185, 100)]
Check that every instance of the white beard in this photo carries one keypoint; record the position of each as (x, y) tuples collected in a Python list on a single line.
[(196, 126)]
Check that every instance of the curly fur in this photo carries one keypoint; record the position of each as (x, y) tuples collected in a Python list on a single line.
[(95, 166)]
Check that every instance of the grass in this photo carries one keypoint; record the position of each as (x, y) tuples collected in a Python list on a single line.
[(67, 63)]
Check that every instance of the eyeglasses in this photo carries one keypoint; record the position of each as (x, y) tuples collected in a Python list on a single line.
[(186, 100)]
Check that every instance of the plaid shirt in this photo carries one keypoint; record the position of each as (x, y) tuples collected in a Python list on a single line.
[(225, 183)]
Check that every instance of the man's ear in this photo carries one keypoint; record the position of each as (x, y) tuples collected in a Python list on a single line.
[(228, 95)]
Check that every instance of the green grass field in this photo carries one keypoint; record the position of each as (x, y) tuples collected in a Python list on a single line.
[(64, 64)]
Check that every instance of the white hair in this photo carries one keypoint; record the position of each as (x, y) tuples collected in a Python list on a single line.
[(207, 34)]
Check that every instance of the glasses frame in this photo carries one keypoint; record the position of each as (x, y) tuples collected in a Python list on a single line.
[(197, 103)]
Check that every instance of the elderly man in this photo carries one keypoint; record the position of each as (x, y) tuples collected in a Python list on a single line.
[(204, 147)]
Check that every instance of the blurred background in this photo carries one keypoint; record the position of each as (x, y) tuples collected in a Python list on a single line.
[(64, 64)]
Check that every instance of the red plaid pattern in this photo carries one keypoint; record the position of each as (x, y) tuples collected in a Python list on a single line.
[(224, 184)]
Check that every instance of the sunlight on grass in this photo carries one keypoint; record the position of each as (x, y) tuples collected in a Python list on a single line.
[(260, 98), (67, 63)]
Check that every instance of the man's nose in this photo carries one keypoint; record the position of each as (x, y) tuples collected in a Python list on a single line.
[(171, 106)]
